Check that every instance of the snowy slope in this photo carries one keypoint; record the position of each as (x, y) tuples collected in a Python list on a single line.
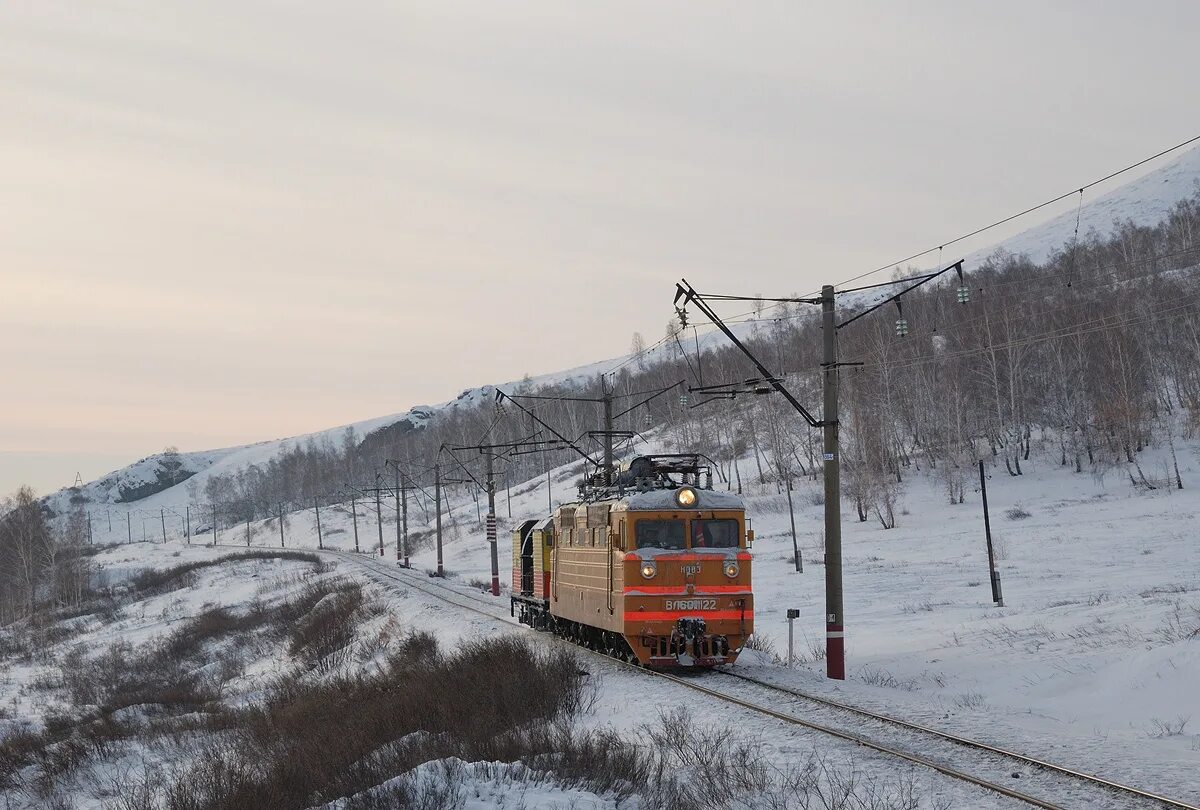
[(1145, 200), (1092, 661), (120, 488)]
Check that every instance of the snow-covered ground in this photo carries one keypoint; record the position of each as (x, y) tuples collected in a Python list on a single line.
[(1089, 662), (32, 692)]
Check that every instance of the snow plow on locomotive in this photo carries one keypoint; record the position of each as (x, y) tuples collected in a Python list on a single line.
[(654, 568)]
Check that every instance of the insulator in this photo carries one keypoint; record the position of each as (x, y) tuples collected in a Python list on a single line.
[(683, 400), (964, 295), (902, 327)]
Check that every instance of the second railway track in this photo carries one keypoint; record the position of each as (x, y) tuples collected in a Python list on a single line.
[(1043, 784)]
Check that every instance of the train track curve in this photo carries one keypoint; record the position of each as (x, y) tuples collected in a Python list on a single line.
[(1056, 787)]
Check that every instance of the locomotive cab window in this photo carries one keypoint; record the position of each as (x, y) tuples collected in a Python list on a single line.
[(666, 534), (715, 534)]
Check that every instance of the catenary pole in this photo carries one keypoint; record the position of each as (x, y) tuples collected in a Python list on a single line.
[(994, 575), (608, 435), (214, 524), (835, 630), (128, 528), (404, 516), (187, 510), (792, 513), (491, 522), (281, 543), (162, 518), (379, 513), (354, 517), (508, 489), (397, 494), (437, 508), (317, 509)]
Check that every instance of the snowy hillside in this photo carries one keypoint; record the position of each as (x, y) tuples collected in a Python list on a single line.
[(136, 485), (1146, 200), (1092, 661)]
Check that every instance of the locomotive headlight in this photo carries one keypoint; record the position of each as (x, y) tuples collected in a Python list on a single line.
[(649, 569), (685, 497), (731, 569)]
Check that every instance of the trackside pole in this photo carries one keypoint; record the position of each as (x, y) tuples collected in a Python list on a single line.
[(835, 641), (317, 508), (792, 615), (997, 594), (491, 523), (379, 514), (404, 516), (437, 508), (397, 495), (792, 512)]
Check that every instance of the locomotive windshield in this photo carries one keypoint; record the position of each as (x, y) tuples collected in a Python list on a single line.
[(660, 534), (715, 534)]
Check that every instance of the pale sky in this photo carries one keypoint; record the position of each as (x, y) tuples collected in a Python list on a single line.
[(222, 222)]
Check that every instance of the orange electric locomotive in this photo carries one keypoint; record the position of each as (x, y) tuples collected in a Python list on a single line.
[(654, 568)]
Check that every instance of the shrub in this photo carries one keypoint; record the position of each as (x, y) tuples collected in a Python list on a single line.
[(156, 580)]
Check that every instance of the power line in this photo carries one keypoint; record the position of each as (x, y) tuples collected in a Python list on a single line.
[(1019, 214), (976, 232)]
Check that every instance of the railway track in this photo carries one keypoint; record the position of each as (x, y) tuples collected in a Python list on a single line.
[(1044, 784)]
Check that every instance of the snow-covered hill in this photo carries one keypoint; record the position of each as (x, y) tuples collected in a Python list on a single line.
[(1145, 200)]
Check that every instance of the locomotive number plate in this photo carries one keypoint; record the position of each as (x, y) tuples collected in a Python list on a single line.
[(691, 569), (691, 604)]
